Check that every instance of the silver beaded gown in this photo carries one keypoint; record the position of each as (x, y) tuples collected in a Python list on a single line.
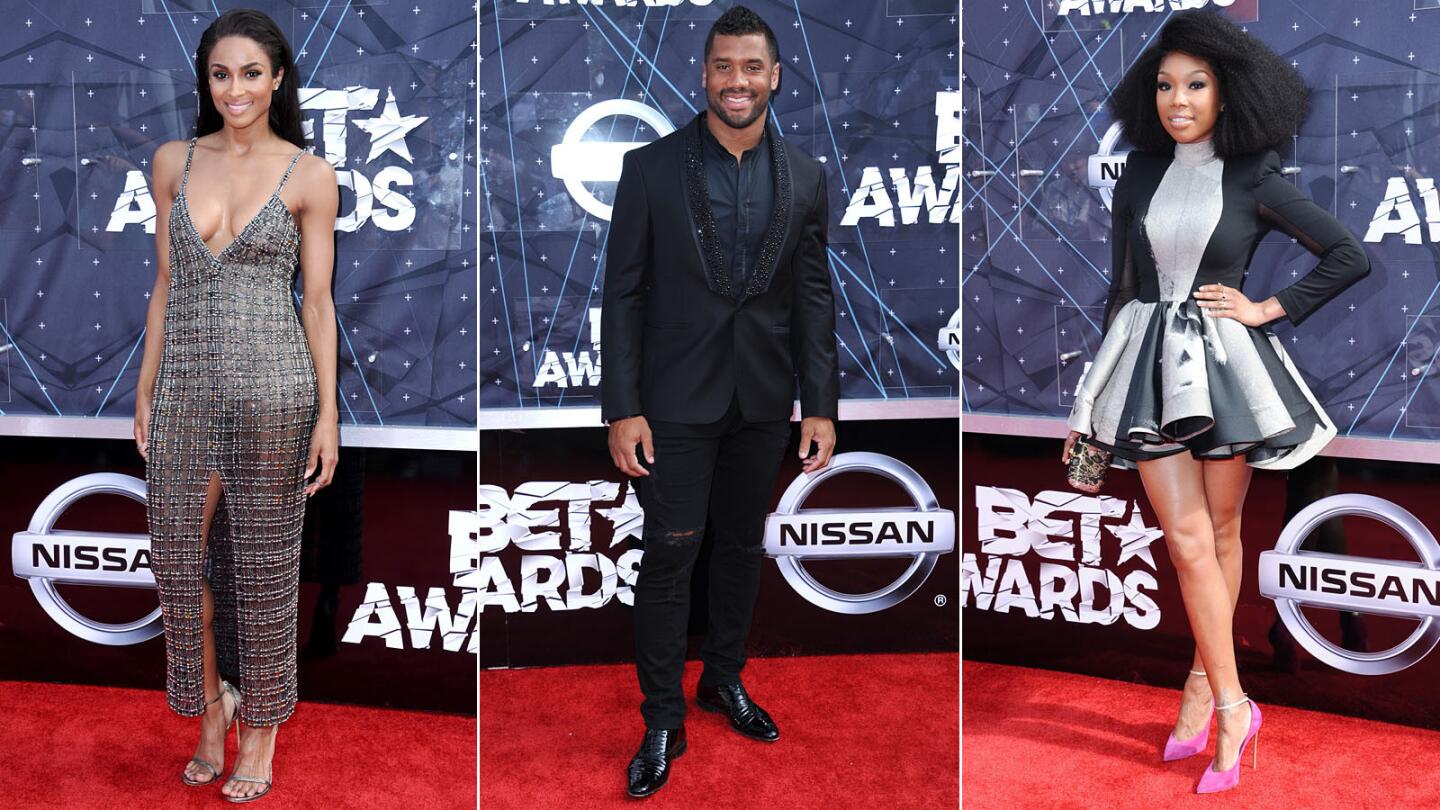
[(235, 395)]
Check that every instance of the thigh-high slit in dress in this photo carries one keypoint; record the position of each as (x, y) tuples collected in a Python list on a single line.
[(235, 397)]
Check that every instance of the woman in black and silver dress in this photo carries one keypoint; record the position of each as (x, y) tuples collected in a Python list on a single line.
[(1187, 384), (235, 406)]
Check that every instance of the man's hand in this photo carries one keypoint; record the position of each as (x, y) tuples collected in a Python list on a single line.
[(624, 435), (821, 431)]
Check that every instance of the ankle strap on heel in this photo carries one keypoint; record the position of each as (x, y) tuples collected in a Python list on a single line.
[(1201, 673), (1241, 702)]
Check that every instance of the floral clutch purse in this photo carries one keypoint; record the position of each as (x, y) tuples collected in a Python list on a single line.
[(1088, 464)]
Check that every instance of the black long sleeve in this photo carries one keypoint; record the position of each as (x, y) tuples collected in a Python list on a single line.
[(622, 312), (1124, 278), (813, 336), (1342, 259)]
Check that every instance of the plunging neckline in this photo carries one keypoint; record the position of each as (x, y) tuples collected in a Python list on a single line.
[(217, 257)]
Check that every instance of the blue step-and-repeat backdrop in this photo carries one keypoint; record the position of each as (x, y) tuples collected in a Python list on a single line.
[(1037, 224), (91, 89), (869, 87)]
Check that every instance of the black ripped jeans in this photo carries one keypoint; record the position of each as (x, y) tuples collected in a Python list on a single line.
[(716, 478)]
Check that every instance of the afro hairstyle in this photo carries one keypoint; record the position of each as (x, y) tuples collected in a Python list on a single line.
[(1264, 98)]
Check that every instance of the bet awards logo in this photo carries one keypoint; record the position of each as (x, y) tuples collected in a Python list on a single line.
[(424, 618), (551, 522), (379, 198), (1396, 214), (1028, 554), (921, 532), (48, 557), (619, 3), (1088, 7), (1295, 578), (577, 161), (870, 199)]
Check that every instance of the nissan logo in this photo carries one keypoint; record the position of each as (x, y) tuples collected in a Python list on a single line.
[(1363, 584), (46, 557), (921, 532)]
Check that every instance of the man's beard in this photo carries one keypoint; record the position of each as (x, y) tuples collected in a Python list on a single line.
[(758, 109)]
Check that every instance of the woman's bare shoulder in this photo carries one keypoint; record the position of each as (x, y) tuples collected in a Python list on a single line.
[(315, 169), (316, 178), (169, 162), (171, 154)]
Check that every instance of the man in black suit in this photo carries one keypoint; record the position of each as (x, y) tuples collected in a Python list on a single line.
[(717, 299)]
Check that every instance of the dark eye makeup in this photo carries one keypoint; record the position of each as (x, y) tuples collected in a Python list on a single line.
[(1198, 84)]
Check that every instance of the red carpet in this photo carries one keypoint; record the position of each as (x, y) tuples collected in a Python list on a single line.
[(1040, 739), (75, 747), (856, 731)]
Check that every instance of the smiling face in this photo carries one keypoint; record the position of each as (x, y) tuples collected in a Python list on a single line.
[(738, 79), (1187, 97), (242, 81)]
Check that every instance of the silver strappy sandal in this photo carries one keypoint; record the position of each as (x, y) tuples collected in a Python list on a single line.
[(253, 796), (207, 765)]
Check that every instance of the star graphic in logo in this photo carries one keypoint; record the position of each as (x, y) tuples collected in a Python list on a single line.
[(1135, 537), (388, 130)]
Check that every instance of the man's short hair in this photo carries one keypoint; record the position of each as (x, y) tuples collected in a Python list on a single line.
[(740, 21)]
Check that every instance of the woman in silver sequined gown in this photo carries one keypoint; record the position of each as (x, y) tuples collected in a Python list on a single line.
[(1187, 385), (235, 407)]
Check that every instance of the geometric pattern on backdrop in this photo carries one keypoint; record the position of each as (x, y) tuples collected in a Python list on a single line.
[(92, 89), (868, 88), (1037, 226)]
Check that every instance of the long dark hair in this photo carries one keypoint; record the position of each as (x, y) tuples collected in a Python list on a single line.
[(1265, 98), (284, 102)]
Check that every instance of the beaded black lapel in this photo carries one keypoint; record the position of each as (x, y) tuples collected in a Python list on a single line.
[(697, 194)]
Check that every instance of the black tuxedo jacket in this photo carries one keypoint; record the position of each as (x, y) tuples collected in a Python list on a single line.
[(678, 343)]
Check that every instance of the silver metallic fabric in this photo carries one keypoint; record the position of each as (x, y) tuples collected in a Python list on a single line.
[(1182, 216), (235, 395), (1167, 377)]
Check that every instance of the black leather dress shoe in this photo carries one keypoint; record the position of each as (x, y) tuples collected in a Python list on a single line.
[(745, 717), (651, 765)]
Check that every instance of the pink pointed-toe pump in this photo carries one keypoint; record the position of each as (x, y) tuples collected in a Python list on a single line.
[(1176, 748), (1213, 781)]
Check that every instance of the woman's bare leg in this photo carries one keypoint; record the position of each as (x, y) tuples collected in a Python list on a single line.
[(1176, 488), (211, 747), (1226, 483), (257, 750)]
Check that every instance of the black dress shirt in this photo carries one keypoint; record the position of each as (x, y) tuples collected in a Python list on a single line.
[(742, 198)]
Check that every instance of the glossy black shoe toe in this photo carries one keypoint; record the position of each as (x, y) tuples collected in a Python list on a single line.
[(650, 767), (745, 717)]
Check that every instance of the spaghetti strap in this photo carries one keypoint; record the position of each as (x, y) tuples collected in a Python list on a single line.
[(289, 169), (189, 155)]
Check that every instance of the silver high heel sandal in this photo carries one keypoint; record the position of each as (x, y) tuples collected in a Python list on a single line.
[(252, 797), (209, 766)]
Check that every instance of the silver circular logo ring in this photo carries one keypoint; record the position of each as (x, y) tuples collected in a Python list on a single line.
[(1108, 142), (950, 340), (1415, 646), (921, 563), (570, 160), (42, 524)]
